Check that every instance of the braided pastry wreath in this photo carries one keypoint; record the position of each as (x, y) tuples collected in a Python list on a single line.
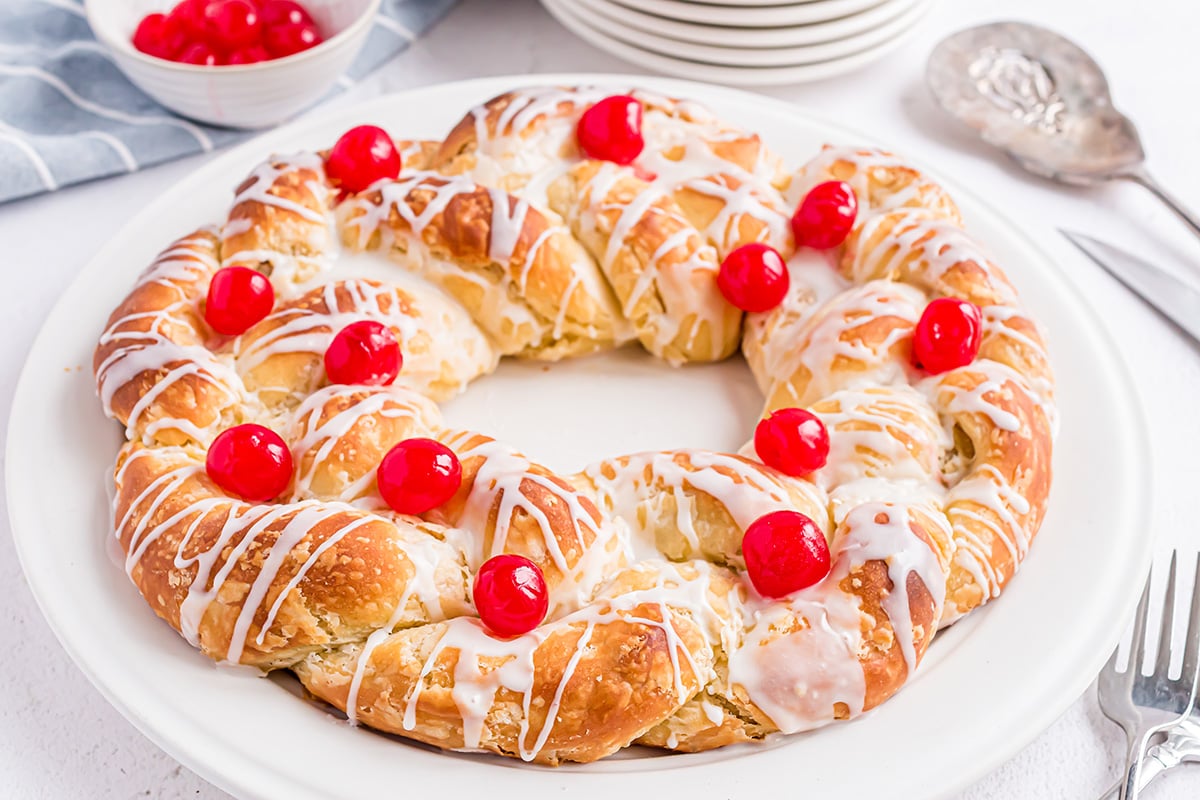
[(288, 497)]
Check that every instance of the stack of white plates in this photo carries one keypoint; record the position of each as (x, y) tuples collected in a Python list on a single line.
[(745, 42)]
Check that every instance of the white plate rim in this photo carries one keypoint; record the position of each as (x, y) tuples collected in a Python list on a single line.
[(732, 76), (752, 57), (723, 35), (239, 773), (751, 17)]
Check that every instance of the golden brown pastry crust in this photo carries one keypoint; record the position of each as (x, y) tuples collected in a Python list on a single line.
[(527, 282), (155, 345), (661, 268), (600, 679), (265, 585), (280, 219)]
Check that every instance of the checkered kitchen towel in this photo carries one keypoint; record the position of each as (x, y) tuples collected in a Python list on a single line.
[(68, 115)]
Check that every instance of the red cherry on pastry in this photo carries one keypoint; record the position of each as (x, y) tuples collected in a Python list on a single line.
[(362, 156), (282, 12), (611, 130), (237, 298), (754, 277), (825, 216), (231, 24), (289, 38), (793, 441), (250, 461), (947, 335), (510, 595), (418, 475), (785, 552), (363, 352)]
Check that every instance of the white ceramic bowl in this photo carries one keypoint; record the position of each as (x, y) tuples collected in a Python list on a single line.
[(247, 96)]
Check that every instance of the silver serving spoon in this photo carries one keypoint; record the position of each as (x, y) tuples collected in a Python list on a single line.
[(1044, 101)]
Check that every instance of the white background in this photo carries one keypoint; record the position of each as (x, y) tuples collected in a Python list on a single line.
[(58, 737)]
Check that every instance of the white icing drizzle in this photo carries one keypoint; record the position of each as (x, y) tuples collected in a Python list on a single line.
[(243, 527), (474, 690), (867, 433), (523, 147), (920, 246), (536, 130), (311, 434), (765, 665), (260, 182), (996, 321), (770, 338), (712, 712), (825, 340), (986, 487), (973, 401), (154, 349), (497, 493), (500, 293), (423, 586), (644, 480), (681, 272), (313, 247), (458, 350), (871, 166), (303, 330)]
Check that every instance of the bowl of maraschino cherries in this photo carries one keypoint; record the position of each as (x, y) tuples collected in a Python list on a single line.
[(216, 33), (233, 63)]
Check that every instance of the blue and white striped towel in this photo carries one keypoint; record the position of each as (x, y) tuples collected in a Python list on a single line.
[(68, 115)]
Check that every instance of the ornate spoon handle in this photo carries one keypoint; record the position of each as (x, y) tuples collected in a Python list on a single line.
[(1139, 175)]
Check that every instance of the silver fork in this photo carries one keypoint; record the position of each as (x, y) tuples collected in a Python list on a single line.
[(1181, 746), (1144, 705)]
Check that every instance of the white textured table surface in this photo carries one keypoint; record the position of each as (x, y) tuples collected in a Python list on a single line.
[(60, 739)]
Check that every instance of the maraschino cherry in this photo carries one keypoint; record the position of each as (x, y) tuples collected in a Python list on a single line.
[(220, 32), (510, 595), (232, 24), (250, 461), (283, 12), (754, 277), (825, 216), (282, 41), (154, 36), (785, 552), (611, 130), (364, 352), (249, 55), (947, 336), (362, 156), (238, 297), (189, 15), (200, 54), (418, 475), (793, 441)]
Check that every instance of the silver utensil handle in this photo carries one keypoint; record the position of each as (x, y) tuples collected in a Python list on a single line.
[(1133, 764), (1152, 767), (1141, 176)]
